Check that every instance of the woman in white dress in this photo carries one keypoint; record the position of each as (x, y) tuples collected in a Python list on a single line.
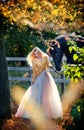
[(43, 90)]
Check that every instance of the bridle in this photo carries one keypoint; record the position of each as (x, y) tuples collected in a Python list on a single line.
[(55, 70), (52, 43)]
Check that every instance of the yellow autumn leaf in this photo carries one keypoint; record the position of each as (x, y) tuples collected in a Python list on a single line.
[(78, 108), (54, 12)]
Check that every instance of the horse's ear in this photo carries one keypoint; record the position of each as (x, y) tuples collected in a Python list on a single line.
[(58, 45), (66, 37)]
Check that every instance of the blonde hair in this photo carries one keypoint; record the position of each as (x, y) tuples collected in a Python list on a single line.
[(30, 56)]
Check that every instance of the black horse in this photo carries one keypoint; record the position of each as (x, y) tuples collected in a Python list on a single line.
[(59, 46)]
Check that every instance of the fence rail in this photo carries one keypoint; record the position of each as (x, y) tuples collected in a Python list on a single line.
[(19, 68), (28, 69), (15, 58)]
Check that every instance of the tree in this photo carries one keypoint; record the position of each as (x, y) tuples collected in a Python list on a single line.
[(45, 14), (19, 42), (5, 110)]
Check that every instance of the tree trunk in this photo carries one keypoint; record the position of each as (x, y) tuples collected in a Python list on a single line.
[(5, 109)]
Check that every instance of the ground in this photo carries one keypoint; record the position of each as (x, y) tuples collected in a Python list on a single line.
[(25, 124)]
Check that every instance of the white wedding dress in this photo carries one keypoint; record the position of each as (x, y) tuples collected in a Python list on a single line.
[(44, 94)]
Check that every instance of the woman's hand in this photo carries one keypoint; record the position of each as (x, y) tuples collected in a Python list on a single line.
[(32, 82), (51, 66)]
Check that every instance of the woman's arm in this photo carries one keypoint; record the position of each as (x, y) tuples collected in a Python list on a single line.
[(34, 71)]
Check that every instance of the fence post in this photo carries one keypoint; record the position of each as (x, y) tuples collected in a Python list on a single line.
[(62, 84)]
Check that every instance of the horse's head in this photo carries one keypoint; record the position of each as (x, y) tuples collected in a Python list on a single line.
[(59, 46), (56, 48), (56, 53)]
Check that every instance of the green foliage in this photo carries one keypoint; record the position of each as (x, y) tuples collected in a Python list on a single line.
[(52, 14), (19, 42), (77, 112), (75, 72)]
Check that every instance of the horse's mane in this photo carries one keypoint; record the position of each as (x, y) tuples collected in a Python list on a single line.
[(60, 36), (72, 35)]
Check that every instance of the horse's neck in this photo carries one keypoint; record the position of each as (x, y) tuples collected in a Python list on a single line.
[(65, 50)]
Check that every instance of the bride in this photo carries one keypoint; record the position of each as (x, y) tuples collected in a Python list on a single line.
[(43, 91)]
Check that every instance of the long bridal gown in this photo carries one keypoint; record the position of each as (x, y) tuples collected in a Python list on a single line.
[(44, 93)]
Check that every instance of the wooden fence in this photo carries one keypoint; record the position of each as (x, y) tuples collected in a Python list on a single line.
[(62, 80)]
